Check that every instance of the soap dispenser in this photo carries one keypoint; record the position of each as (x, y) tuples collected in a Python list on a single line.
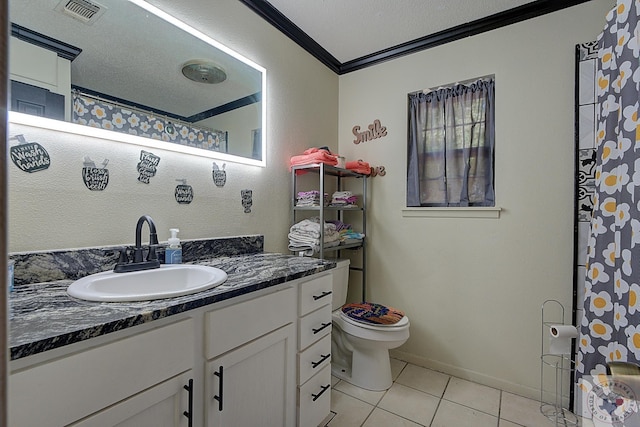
[(173, 253)]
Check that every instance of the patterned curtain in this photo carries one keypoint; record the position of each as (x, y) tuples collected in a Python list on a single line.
[(98, 113), (610, 329)]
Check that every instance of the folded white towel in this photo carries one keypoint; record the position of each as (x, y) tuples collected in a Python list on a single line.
[(312, 228), (304, 236), (307, 250)]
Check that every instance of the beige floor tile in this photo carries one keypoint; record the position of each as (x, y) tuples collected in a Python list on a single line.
[(505, 423), (410, 403), (379, 418), (350, 412), (451, 414), (423, 379), (473, 395), (372, 397), (521, 410), (334, 381), (396, 367)]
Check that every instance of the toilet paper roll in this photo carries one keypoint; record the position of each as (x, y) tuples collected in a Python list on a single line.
[(560, 340)]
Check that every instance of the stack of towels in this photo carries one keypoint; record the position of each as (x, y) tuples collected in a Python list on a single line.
[(304, 236), (347, 235), (315, 155), (310, 198), (344, 199), (359, 166)]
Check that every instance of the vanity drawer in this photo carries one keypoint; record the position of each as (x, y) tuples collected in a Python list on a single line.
[(64, 390), (314, 359), (314, 326), (315, 293), (235, 325), (314, 399)]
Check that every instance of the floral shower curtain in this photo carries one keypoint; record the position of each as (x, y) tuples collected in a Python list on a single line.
[(610, 328)]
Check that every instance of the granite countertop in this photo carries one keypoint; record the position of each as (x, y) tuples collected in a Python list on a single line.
[(44, 317)]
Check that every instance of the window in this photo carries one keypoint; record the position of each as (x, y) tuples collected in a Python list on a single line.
[(451, 140)]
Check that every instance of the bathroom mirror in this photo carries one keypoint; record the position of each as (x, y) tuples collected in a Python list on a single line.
[(133, 58)]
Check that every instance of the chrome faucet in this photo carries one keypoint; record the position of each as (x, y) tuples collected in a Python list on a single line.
[(139, 263)]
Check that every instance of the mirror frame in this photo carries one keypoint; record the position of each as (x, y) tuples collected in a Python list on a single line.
[(56, 125)]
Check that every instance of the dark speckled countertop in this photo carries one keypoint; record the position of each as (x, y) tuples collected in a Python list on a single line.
[(44, 317)]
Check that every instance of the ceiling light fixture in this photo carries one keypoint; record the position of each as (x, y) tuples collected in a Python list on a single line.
[(203, 72)]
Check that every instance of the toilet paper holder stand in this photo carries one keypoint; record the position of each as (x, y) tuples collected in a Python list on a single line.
[(556, 370)]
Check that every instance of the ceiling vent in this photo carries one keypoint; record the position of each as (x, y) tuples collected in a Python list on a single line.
[(82, 10)]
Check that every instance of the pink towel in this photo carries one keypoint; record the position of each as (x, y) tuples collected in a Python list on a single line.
[(359, 166), (314, 155)]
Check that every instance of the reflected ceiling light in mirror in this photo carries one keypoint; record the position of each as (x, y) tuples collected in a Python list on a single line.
[(203, 72), (68, 127), (187, 28)]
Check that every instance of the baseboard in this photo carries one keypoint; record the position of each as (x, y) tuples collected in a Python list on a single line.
[(466, 374)]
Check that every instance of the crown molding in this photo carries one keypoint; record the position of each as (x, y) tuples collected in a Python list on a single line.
[(492, 22), (291, 30)]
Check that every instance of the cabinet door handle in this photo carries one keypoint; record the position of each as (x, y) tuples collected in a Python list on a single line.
[(324, 325), (323, 389), (324, 357), (218, 397), (189, 412), (322, 295)]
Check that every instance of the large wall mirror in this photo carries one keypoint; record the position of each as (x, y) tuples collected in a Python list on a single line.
[(126, 66)]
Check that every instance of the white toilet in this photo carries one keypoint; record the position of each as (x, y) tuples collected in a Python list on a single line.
[(359, 350)]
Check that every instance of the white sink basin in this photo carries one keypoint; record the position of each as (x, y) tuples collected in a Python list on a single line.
[(164, 282)]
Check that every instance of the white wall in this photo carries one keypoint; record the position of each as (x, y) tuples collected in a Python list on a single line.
[(52, 209), (473, 288)]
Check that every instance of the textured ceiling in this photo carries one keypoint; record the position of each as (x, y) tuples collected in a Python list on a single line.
[(351, 29)]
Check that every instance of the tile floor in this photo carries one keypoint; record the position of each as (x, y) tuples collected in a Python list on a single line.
[(423, 397)]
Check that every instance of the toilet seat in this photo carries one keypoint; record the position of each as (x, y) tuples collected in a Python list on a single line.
[(402, 323), (369, 332), (373, 313)]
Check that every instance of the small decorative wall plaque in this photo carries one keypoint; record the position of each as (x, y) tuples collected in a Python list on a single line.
[(29, 156), (184, 192), (95, 179), (148, 166), (247, 200), (374, 131), (219, 175)]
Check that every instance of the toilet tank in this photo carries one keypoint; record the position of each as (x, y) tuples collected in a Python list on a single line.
[(340, 283)]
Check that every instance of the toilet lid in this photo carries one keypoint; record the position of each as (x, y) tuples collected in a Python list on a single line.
[(372, 313)]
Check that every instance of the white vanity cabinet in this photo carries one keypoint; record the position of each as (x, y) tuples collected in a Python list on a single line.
[(250, 370), (139, 379), (244, 361), (314, 350)]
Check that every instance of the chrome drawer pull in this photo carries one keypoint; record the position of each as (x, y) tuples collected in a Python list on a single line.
[(324, 388), (324, 325), (322, 295), (314, 365)]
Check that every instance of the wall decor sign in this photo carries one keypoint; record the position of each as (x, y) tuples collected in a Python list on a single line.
[(29, 156), (148, 166), (247, 200), (378, 171), (219, 175), (184, 192), (95, 179), (374, 131)]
